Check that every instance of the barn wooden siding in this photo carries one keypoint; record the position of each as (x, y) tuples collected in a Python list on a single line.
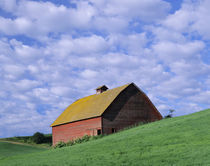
[(131, 107), (71, 131)]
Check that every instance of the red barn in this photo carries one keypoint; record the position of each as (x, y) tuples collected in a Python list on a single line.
[(105, 112)]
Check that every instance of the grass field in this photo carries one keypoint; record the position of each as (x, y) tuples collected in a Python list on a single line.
[(177, 141), (28, 140), (8, 149)]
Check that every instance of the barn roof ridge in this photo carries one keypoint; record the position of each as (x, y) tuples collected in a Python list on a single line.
[(89, 106)]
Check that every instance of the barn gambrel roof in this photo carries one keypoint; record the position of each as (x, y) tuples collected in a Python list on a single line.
[(89, 107)]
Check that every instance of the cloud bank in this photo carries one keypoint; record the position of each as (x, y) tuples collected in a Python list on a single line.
[(52, 54)]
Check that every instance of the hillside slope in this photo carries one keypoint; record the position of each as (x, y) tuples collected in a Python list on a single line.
[(177, 141), (8, 149), (28, 140)]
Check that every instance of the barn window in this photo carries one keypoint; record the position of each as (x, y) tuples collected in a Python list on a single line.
[(99, 132), (113, 130)]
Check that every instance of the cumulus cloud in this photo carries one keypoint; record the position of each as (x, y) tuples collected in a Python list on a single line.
[(134, 9), (8, 5), (193, 17), (49, 59), (202, 97), (114, 16), (25, 84), (31, 21), (171, 51)]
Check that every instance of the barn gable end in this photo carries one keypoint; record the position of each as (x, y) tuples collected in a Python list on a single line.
[(130, 107)]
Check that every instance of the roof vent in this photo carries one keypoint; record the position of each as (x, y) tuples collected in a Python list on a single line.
[(101, 89)]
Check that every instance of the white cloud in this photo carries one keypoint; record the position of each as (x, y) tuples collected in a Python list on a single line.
[(181, 19), (84, 46), (166, 34), (12, 69), (33, 69), (25, 84), (113, 17), (134, 43), (187, 68), (8, 5), (27, 54), (202, 19), (202, 97), (89, 74), (145, 10), (192, 17), (61, 91), (110, 24), (49, 59), (33, 22), (170, 51)]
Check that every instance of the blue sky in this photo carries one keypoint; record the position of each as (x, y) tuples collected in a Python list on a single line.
[(54, 52)]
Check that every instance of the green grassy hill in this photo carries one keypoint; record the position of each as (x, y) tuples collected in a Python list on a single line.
[(177, 141), (8, 149), (28, 140)]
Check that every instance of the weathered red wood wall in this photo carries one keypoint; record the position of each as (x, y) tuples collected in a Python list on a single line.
[(75, 130), (130, 107)]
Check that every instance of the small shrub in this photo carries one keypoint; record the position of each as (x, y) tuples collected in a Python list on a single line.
[(170, 115), (38, 138), (70, 143), (60, 145), (96, 137), (86, 138), (29, 140), (78, 141)]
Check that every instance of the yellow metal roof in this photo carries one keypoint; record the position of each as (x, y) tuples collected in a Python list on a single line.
[(88, 107)]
